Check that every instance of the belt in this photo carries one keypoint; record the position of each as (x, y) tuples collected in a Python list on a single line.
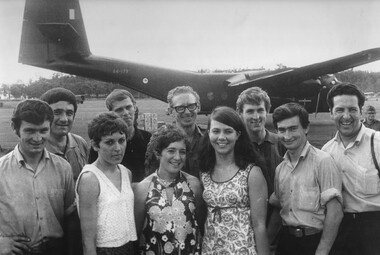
[(45, 245), (361, 215), (302, 231)]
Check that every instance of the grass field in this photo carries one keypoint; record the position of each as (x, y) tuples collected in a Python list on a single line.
[(321, 129)]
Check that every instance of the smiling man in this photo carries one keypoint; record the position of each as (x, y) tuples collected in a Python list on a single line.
[(352, 150), (307, 188), (69, 146), (183, 106), (36, 187), (61, 141)]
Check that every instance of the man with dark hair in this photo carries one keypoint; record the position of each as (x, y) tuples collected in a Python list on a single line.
[(184, 105), (355, 149), (61, 141), (369, 118), (69, 146), (307, 188), (123, 104), (36, 187)]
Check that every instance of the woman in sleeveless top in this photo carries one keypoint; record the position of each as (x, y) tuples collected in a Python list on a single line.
[(235, 190), (104, 194), (168, 202)]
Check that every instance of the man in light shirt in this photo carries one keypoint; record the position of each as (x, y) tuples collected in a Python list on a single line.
[(307, 188), (351, 149)]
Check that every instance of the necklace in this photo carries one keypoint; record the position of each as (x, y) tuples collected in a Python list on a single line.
[(165, 183)]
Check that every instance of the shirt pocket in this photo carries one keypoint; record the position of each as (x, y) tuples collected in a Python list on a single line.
[(367, 181), (308, 199)]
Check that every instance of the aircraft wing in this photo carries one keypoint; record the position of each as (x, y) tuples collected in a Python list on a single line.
[(295, 76)]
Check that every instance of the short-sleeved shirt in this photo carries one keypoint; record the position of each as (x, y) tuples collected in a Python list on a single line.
[(272, 151), (33, 204), (375, 125), (192, 157), (76, 153), (361, 185), (134, 156), (303, 190)]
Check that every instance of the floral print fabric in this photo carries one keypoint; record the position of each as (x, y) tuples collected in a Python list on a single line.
[(228, 228), (171, 227)]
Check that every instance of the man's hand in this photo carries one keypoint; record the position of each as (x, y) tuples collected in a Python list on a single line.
[(15, 245)]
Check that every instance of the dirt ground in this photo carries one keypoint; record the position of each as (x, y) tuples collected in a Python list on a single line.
[(321, 129)]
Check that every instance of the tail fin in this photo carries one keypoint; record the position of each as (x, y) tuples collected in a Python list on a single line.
[(52, 30)]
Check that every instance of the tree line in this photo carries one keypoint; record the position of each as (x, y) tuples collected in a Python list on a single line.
[(367, 81)]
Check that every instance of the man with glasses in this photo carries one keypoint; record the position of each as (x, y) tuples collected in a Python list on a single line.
[(184, 105)]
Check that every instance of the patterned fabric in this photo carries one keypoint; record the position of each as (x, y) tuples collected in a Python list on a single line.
[(228, 228), (170, 227)]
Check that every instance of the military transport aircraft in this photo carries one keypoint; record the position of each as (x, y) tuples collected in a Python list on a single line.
[(54, 37)]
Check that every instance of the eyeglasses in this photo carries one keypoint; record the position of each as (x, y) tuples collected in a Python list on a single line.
[(182, 108)]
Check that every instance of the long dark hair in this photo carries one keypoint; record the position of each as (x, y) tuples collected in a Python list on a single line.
[(244, 152)]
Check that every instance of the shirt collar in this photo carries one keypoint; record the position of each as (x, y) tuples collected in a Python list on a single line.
[(358, 138), (270, 137), (20, 158), (303, 154)]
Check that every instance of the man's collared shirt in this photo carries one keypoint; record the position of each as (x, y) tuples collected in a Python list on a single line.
[(375, 125), (76, 153), (134, 156), (272, 151), (361, 189), (303, 190), (33, 204), (192, 157)]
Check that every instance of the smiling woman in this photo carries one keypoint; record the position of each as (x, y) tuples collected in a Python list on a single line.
[(168, 202)]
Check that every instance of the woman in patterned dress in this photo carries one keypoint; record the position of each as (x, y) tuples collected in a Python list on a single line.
[(168, 202), (235, 190), (104, 193)]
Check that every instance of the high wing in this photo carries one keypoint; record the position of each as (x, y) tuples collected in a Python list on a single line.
[(54, 37)]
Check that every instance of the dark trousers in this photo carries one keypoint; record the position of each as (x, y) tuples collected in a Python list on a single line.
[(359, 234), (126, 249), (291, 245)]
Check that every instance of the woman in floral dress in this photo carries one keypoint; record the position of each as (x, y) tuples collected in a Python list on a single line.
[(168, 202), (235, 190)]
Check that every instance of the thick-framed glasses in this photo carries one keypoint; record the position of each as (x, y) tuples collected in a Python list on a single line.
[(182, 108)]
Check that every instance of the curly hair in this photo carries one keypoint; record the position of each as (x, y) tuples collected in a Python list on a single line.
[(244, 152), (55, 95), (106, 123), (159, 141)]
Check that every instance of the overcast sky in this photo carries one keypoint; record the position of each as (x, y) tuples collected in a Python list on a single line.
[(211, 34)]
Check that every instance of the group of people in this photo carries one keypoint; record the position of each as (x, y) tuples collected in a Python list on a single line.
[(234, 188)]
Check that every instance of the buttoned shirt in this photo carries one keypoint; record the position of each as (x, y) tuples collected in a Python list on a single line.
[(192, 157), (361, 189), (33, 203), (272, 150), (303, 190), (134, 156), (375, 125), (76, 153)]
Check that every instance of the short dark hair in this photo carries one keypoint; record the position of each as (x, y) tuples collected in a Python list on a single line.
[(345, 88), (369, 108), (254, 95), (33, 111), (118, 95), (106, 123), (290, 110), (55, 95), (160, 140), (244, 152)]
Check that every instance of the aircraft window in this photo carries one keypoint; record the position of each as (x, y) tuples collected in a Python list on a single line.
[(210, 96), (145, 80)]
